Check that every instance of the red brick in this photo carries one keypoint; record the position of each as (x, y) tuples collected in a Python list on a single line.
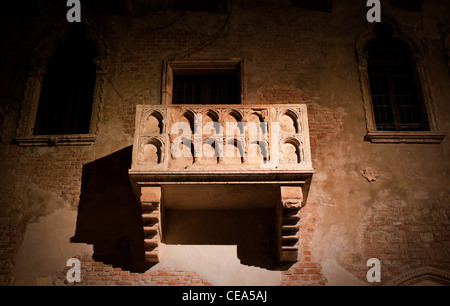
[(124, 283), (313, 271)]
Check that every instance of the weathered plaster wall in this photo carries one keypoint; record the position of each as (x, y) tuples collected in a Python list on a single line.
[(290, 55), (47, 243)]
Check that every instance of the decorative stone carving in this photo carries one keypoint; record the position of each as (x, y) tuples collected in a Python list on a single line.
[(223, 145), (370, 174), (288, 124), (250, 137), (420, 275), (151, 152), (153, 124)]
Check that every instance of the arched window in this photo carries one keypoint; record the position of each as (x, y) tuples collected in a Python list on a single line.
[(396, 95), (67, 93), (395, 89)]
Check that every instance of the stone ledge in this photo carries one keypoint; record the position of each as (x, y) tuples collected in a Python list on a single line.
[(426, 137), (220, 177), (56, 140)]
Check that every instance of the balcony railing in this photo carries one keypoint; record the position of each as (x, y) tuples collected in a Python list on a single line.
[(220, 138)]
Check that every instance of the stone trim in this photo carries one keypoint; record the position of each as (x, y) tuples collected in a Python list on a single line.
[(430, 137), (419, 275), (25, 131)]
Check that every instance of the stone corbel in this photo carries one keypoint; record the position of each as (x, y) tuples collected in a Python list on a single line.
[(292, 202), (151, 220)]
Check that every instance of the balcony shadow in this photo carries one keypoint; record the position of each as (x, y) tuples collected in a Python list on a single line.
[(109, 216)]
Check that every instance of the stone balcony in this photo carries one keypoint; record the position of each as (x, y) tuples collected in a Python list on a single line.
[(218, 157)]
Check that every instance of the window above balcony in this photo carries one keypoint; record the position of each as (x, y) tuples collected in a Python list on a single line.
[(208, 81)]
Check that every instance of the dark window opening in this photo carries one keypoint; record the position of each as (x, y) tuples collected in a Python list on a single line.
[(67, 92), (395, 90), (206, 89), (409, 5), (211, 6), (315, 5), (29, 8), (113, 7)]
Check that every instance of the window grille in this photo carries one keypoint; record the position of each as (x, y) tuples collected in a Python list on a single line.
[(205, 89), (396, 98)]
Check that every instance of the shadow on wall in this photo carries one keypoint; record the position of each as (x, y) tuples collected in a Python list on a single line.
[(109, 216)]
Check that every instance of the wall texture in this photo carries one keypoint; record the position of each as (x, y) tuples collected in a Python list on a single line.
[(58, 202)]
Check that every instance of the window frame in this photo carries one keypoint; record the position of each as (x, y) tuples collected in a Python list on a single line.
[(33, 85), (433, 135), (201, 66), (387, 67)]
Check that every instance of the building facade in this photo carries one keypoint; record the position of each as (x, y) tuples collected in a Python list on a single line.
[(228, 142)]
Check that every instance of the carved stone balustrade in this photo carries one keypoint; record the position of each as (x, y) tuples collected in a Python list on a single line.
[(219, 147)]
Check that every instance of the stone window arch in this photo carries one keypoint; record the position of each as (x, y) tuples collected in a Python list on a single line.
[(420, 277), (389, 62), (50, 116)]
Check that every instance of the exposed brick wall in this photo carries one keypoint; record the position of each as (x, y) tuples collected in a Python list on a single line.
[(57, 170), (403, 238), (10, 235), (125, 112), (98, 274), (127, 115), (305, 272)]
